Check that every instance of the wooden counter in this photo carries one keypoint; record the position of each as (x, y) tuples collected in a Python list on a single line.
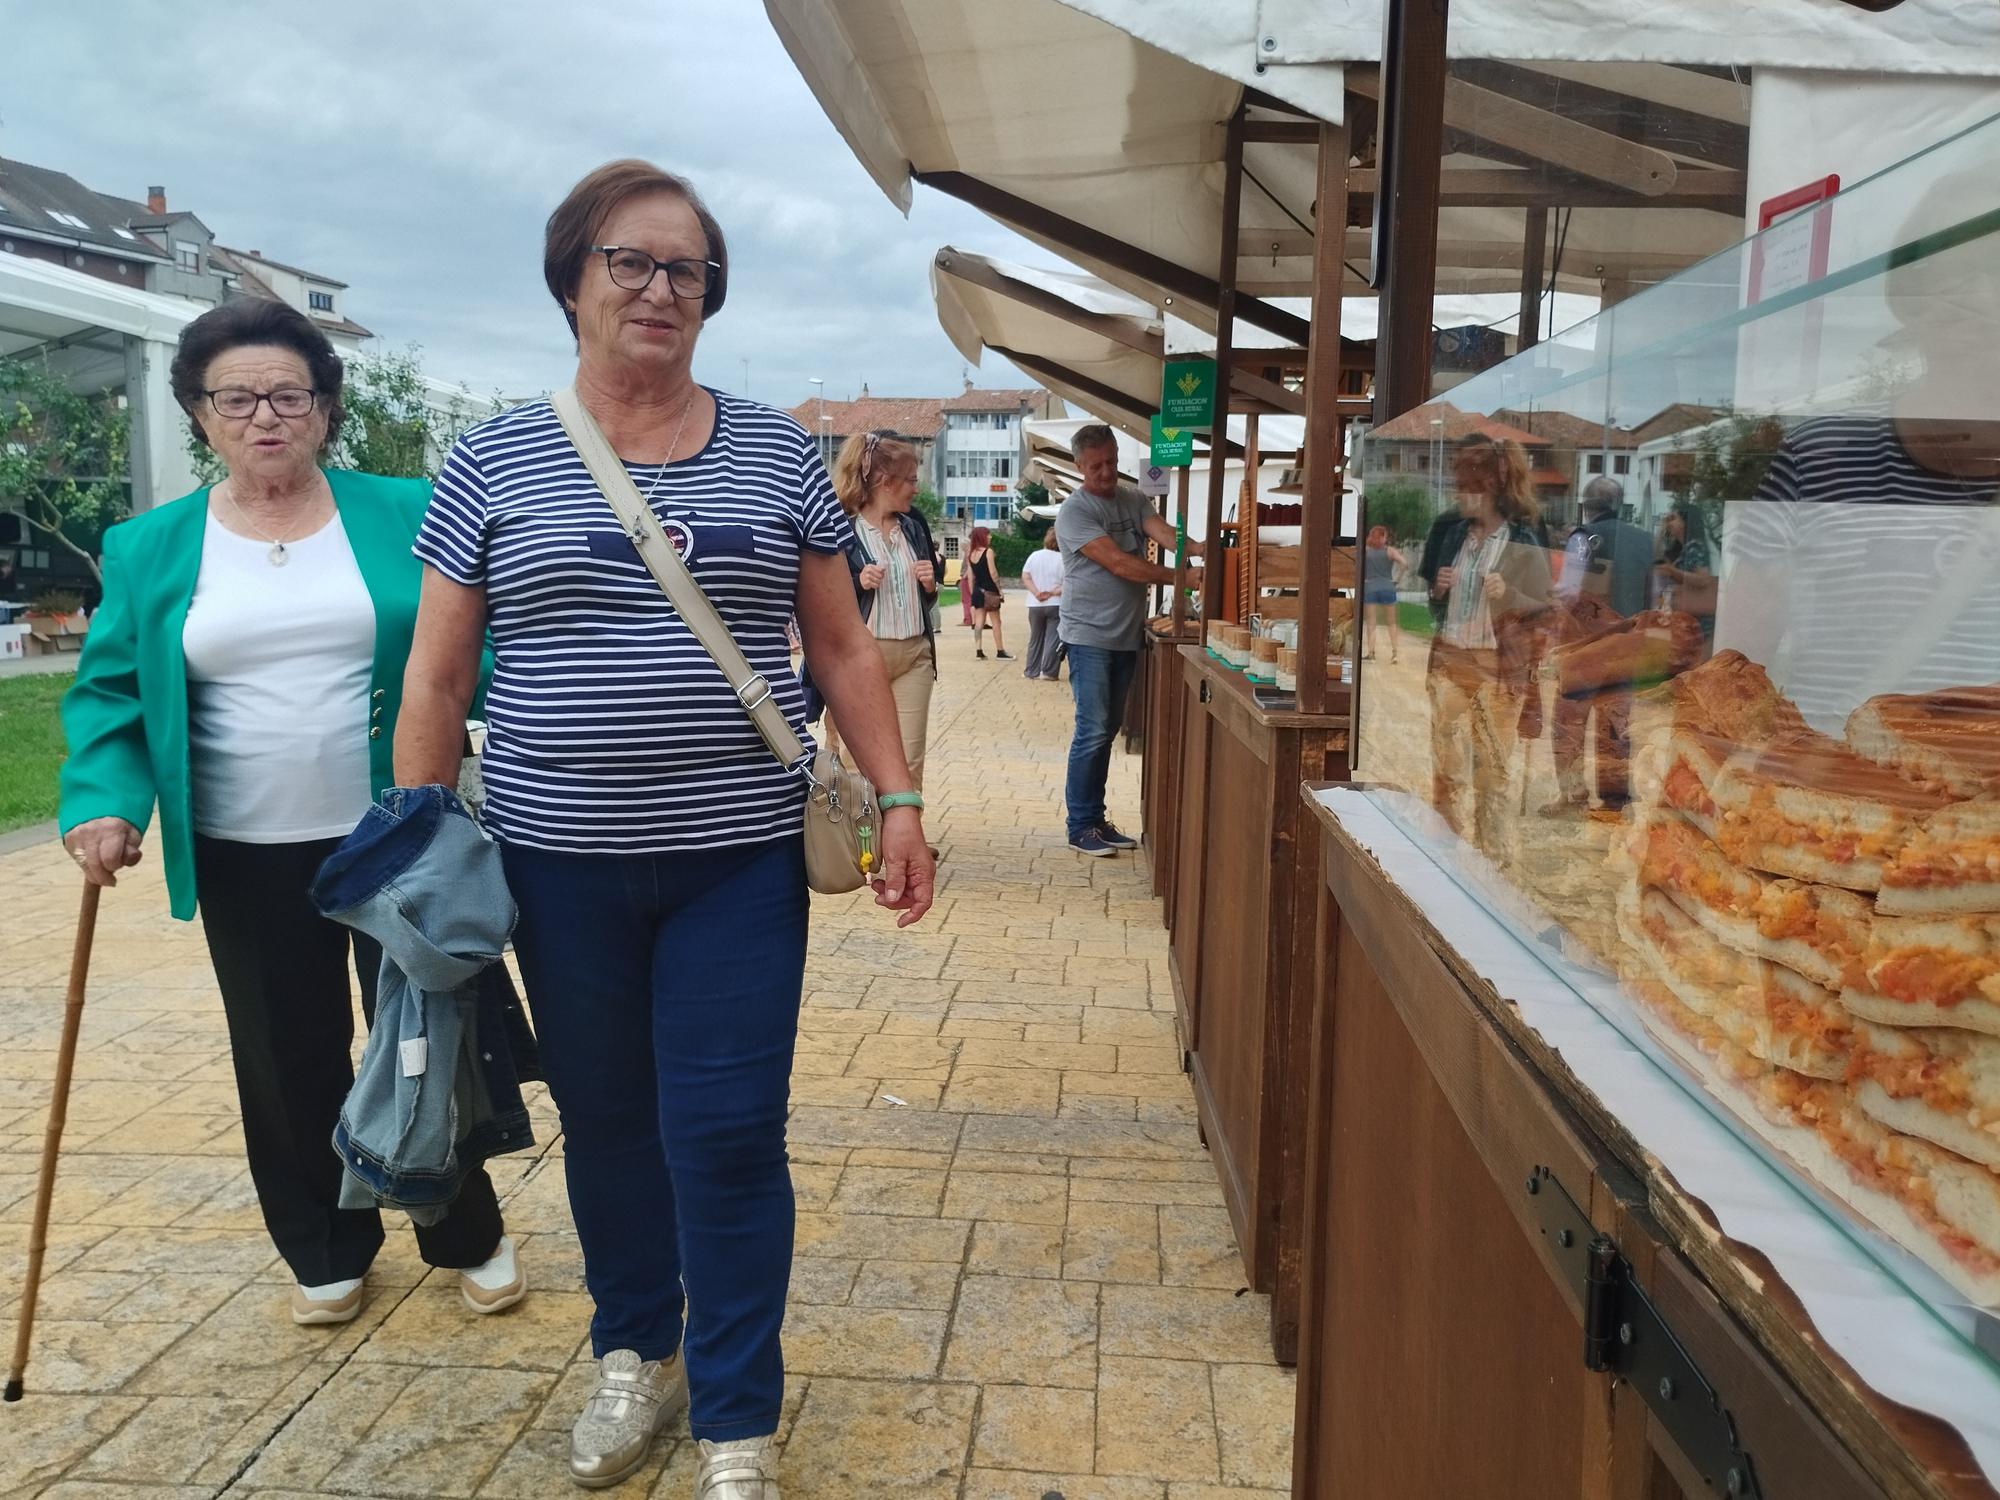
[(1442, 1339), (1159, 772), (1242, 895)]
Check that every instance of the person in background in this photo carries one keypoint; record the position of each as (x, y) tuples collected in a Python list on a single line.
[(1103, 528), (1042, 576), (1609, 560), (983, 578), (1479, 677), (1684, 579), (1379, 589), (654, 845), (245, 675), (895, 568)]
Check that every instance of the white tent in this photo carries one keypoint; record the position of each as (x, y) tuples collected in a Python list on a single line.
[(1096, 127)]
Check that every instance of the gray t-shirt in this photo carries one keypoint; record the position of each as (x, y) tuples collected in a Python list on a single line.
[(1098, 607)]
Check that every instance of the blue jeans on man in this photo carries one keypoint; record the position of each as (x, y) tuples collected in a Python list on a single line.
[(1099, 679)]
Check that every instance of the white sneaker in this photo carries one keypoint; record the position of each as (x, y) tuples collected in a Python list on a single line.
[(634, 1399), (742, 1470), (496, 1284), (335, 1302)]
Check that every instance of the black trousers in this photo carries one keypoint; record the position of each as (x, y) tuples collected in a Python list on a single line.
[(283, 972)]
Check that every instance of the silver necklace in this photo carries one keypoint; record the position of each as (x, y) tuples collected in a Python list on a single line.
[(277, 556), (680, 427)]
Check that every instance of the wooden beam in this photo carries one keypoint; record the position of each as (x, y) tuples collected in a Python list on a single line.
[(1568, 144), (1679, 88), (1280, 132), (1140, 412), (1720, 189), (1534, 247), (1405, 249), (1180, 555), (1225, 332), (1319, 505), (1246, 516), (1269, 392), (1119, 329), (1683, 134), (1096, 245)]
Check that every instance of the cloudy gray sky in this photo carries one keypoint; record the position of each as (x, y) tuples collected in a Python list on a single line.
[(414, 148)]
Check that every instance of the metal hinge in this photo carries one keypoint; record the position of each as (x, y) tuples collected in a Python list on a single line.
[(1624, 1334)]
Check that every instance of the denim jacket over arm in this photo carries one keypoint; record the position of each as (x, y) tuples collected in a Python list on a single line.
[(436, 1092)]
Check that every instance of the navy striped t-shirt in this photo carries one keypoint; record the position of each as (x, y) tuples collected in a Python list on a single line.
[(609, 728), (1848, 544)]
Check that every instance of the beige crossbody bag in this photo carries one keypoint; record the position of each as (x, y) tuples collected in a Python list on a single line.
[(840, 804)]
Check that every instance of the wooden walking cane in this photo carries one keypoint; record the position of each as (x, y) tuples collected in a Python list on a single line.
[(38, 1236)]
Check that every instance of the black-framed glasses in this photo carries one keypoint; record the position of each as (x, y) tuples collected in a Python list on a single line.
[(236, 402), (635, 269)]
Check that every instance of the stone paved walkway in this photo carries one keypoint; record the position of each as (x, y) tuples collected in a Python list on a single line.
[(1015, 1274)]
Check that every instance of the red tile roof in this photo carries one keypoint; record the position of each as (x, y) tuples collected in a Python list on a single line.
[(1414, 426), (912, 416), (1567, 431), (997, 400)]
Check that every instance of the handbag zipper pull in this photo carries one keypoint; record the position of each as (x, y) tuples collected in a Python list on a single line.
[(866, 834)]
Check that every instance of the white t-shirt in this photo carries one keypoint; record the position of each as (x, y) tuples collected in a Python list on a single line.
[(1043, 570), (278, 666)]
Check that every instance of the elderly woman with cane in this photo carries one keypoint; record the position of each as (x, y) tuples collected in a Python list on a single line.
[(652, 840), (244, 675)]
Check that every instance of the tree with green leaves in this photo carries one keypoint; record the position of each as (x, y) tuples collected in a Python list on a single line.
[(930, 505), (396, 425), (62, 457), (1405, 507)]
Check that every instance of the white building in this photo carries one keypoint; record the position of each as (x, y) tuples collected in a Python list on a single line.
[(985, 457)]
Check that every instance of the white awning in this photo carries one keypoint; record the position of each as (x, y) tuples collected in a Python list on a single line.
[(1917, 36)]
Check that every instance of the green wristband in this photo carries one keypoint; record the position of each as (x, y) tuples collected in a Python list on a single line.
[(887, 800)]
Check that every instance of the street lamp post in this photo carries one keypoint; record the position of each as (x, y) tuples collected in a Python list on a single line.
[(820, 437)]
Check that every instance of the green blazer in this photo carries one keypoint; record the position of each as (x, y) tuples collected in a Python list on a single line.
[(126, 717)]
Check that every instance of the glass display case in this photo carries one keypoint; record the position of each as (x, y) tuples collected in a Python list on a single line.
[(1694, 680)]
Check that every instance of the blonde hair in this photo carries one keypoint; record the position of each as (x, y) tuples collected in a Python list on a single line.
[(1514, 494), (864, 459)]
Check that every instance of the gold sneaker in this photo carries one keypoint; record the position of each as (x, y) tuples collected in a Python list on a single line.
[(634, 1399)]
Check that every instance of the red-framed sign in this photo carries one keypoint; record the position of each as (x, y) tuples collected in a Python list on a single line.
[(1794, 230)]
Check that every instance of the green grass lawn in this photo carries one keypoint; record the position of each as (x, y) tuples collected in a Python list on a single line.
[(1415, 619), (31, 748), (948, 597)]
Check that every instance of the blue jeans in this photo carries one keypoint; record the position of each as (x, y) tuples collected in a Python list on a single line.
[(1099, 679), (665, 988)]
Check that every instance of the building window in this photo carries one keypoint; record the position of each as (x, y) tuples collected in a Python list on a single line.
[(189, 257), (1003, 467), (951, 546), (1593, 463), (1621, 463), (1393, 461), (321, 301)]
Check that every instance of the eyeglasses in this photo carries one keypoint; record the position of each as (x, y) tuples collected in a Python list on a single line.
[(234, 401), (635, 269)]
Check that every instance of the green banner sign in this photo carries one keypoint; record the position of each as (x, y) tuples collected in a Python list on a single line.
[(1187, 394), (1173, 447)]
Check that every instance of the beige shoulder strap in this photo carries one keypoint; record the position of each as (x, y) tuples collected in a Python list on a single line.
[(675, 581)]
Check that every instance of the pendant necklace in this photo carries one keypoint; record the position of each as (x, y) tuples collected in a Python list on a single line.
[(679, 428), (277, 555)]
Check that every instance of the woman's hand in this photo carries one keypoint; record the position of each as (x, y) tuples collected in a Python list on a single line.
[(908, 876), (1445, 575), (104, 846), (1495, 586), (872, 575), (926, 576)]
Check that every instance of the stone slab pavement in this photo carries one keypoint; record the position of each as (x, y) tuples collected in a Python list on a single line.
[(1015, 1274)]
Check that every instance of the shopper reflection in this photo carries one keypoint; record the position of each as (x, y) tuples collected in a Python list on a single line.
[(1480, 675), (1685, 576), (1873, 564), (1606, 563)]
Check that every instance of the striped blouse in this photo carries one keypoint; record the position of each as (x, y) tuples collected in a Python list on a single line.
[(609, 729), (898, 613)]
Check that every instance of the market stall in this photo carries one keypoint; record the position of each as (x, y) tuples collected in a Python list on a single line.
[(1658, 956)]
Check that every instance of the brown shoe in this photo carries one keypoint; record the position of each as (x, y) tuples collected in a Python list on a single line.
[(309, 1310)]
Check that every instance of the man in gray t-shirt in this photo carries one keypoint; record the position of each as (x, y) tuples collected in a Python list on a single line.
[(1103, 528)]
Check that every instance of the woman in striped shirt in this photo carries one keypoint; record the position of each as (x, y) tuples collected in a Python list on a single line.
[(895, 568), (652, 842)]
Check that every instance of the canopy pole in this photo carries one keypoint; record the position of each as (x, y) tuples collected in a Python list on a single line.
[(1534, 247), (1225, 331), (1246, 506), (1409, 147), (1319, 518), (1180, 553)]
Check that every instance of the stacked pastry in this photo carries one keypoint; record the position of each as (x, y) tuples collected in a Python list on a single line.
[(1814, 925)]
